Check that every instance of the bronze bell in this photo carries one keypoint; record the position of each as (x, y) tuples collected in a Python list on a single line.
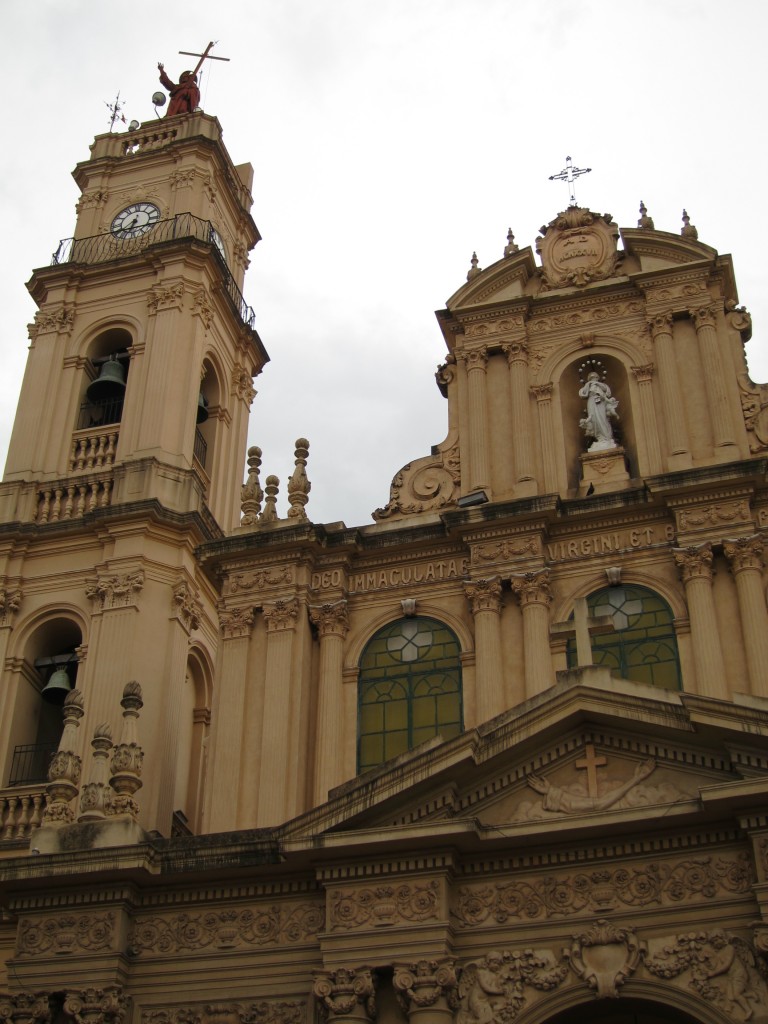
[(109, 384), (202, 408), (57, 687)]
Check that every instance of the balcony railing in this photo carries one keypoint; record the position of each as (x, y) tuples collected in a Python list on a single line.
[(184, 226), (201, 447), (21, 812), (30, 763)]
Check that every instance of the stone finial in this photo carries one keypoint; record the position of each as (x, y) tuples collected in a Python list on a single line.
[(127, 755), (299, 486), (64, 771), (269, 515), (96, 795), (251, 494), (645, 222), (510, 248), (474, 270), (688, 230)]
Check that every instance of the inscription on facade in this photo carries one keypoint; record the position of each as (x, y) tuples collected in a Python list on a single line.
[(601, 543), (395, 576)]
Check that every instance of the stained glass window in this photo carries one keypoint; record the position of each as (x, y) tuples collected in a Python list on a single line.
[(409, 689), (643, 645)]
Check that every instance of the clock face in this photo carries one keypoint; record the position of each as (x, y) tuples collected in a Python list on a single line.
[(218, 241), (135, 220)]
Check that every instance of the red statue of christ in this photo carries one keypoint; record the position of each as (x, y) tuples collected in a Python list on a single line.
[(185, 97)]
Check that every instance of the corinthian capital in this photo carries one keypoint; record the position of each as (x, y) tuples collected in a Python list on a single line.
[(532, 587), (694, 562), (345, 992), (96, 1006), (281, 614), (475, 358), (661, 323), (703, 316), (421, 984), (744, 553), (25, 1008), (331, 619), (235, 622), (516, 351), (484, 595)]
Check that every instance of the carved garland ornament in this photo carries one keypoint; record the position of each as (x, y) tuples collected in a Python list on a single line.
[(493, 990), (227, 929), (383, 905), (260, 578)]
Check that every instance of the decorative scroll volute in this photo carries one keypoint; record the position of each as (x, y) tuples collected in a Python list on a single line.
[(532, 587), (345, 994), (744, 553), (484, 595), (694, 562), (424, 984)]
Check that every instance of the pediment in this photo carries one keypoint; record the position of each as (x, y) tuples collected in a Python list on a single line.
[(582, 756)]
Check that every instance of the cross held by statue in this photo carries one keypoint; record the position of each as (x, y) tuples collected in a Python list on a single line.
[(205, 55), (583, 627)]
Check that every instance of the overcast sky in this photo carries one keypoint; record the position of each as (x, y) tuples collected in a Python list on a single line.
[(390, 139)]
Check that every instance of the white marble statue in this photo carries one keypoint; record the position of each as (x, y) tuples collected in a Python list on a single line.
[(601, 408)]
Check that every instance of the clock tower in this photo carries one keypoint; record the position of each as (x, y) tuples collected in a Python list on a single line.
[(128, 450)]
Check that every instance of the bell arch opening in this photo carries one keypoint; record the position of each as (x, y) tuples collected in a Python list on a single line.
[(103, 394), (622, 1011), (37, 686)]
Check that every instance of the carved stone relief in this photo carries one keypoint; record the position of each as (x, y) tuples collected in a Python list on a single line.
[(70, 933), (257, 580), (657, 883), (383, 905), (506, 550), (276, 925), (58, 320), (425, 485), (345, 992), (10, 602), (265, 1011), (187, 605), (604, 956), (497, 988), (115, 591), (165, 297)]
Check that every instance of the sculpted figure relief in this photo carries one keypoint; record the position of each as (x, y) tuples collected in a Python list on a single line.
[(558, 799), (185, 97), (601, 409)]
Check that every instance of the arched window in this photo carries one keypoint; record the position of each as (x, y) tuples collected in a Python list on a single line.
[(103, 397), (643, 645), (409, 689)]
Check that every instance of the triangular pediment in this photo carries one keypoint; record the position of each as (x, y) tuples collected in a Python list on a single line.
[(592, 752)]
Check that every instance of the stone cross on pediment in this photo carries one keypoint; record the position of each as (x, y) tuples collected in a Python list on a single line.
[(583, 627)]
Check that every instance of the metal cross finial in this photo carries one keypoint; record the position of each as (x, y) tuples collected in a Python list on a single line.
[(205, 55), (569, 174), (116, 111)]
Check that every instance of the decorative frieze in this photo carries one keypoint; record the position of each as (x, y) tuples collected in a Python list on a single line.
[(251, 927), (506, 550), (265, 1011), (245, 582), (117, 590), (383, 905), (70, 933), (656, 883)]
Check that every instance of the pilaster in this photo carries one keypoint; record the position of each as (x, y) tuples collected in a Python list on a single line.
[(678, 446), (476, 363), (520, 401), (535, 596), (714, 381), (332, 624), (543, 396), (745, 555), (695, 566), (484, 598)]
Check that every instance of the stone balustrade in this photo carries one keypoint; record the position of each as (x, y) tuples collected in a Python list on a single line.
[(93, 449), (21, 811), (70, 499)]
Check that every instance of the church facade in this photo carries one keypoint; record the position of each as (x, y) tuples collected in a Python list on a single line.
[(500, 755)]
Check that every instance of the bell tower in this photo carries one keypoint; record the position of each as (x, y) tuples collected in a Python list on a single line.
[(127, 452)]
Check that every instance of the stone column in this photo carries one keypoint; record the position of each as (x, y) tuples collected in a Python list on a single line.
[(746, 558), (695, 566), (346, 995), (650, 433), (535, 596), (476, 363), (714, 380), (424, 988), (484, 598), (227, 720), (332, 625), (279, 725), (543, 395), (522, 448), (671, 396)]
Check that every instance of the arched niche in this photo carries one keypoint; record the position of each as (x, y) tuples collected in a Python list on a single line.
[(211, 405), (36, 719), (194, 728), (573, 409)]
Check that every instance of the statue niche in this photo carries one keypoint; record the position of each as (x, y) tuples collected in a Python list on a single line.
[(597, 425)]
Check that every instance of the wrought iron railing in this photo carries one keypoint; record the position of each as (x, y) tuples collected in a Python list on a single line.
[(30, 763), (100, 412), (201, 447), (106, 247)]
